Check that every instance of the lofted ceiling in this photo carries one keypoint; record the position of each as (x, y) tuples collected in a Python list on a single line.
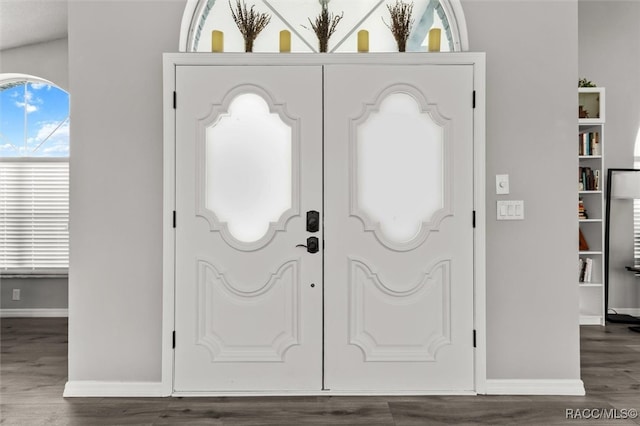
[(24, 22)]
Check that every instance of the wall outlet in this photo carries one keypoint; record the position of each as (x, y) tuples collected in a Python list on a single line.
[(16, 294)]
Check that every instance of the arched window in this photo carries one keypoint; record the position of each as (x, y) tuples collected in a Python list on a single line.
[(34, 176), (203, 16)]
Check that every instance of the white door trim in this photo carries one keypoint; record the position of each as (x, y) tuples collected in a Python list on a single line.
[(171, 60)]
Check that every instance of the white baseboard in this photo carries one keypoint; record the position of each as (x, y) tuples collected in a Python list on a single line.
[(114, 389), (33, 313), (629, 311), (322, 393), (535, 387), (157, 389)]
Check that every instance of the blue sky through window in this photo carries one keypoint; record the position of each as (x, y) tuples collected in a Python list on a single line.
[(34, 121)]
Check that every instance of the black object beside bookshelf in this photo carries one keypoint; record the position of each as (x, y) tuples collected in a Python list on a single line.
[(615, 318)]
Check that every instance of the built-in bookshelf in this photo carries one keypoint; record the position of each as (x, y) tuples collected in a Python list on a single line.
[(591, 208)]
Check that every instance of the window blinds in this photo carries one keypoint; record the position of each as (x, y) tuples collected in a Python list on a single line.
[(34, 216)]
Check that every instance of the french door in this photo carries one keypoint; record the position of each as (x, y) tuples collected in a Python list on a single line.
[(324, 234)]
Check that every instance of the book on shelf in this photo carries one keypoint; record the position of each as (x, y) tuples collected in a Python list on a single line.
[(582, 212), (589, 143), (588, 179), (582, 242), (585, 270)]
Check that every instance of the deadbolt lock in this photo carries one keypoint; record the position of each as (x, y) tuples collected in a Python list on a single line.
[(313, 221)]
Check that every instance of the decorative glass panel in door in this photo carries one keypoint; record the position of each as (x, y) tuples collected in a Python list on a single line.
[(398, 152), (248, 191)]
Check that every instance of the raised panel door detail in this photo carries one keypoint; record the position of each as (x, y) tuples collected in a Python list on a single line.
[(401, 169), (394, 322), (248, 168), (256, 325)]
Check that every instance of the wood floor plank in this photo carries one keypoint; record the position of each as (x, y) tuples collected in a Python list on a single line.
[(321, 412), (33, 371), (492, 411)]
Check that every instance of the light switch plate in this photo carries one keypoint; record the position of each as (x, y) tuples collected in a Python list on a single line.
[(510, 210), (502, 184)]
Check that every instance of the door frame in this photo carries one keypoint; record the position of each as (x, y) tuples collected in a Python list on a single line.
[(172, 60)]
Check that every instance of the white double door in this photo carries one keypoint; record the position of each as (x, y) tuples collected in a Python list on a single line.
[(384, 155)]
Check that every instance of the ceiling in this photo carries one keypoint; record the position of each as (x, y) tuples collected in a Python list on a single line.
[(24, 22)]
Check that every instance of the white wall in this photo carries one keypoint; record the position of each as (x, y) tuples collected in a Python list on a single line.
[(48, 60), (116, 233), (609, 34), (532, 295), (115, 281)]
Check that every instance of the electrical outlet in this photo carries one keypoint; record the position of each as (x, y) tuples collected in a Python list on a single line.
[(16, 294)]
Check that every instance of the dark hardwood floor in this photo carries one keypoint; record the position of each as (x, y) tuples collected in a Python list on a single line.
[(34, 371)]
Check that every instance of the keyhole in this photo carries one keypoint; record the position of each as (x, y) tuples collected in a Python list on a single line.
[(312, 285)]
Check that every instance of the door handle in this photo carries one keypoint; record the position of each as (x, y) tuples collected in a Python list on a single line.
[(313, 221), (312, 245)]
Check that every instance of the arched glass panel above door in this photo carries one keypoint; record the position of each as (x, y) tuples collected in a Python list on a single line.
[(203, 16)]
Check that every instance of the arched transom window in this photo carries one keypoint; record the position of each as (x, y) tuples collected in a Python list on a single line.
[(203, 16)]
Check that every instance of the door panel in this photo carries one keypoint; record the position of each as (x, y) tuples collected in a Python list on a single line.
[(248, 168), (398, 228)]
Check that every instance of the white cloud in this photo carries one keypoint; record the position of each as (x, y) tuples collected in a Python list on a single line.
[(47, 127), (29, 102), (38, 86), (8, 150), (30, 107), (57, 142)]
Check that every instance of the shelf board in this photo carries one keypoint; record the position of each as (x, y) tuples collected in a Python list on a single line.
[(590, 284), (589, 220), (589, 252), (585, 157), (589, 192), (590, 121)]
